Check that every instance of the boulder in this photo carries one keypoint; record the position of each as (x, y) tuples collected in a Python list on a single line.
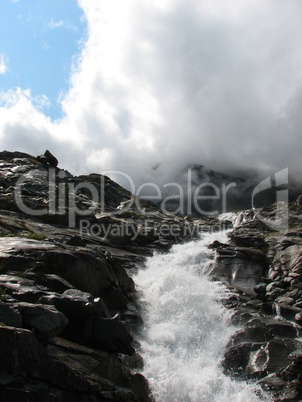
[(108, 334), (286, 311), (272, 383), (77, 294), (63, 372), (81, 270), (77, 310), (91, 361), (115, 299), (273, 285), (53, 282), (291, 258), (241, 316), (22, 355), (76, 241), (277, 328), (274, 293), (258, 334), (10, 316), (237, 357), (260, 289), (52, 160), (46, 320), (273, 356), (12, 391), (22, 289), (240, 273)]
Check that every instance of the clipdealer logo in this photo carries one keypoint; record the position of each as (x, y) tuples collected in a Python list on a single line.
[(63, 196), (280, 184)]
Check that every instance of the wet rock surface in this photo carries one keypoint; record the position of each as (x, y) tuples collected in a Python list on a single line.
[(68, 310), (261, 265)]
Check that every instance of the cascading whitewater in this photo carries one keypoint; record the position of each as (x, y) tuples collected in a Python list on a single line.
[(186, 328)]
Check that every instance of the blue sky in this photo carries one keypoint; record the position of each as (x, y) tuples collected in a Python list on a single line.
[(134, 84), (39, 42)]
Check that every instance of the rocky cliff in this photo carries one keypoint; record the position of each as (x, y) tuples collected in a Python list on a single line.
[(68, 312), (262, 266)]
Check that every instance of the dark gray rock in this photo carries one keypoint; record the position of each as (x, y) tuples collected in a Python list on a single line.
[(286, 311), (29, 393), (87, 271), (108, 334), (47, 320), (77, 310), (53, 282), (141, 387), (78, 295), (285, 300), (76, 241), (275, 317), (242, 316), (260, 289), (22, 289), (237, 357), (272, 383), (238, 272), (115, 298), (64, 372), (274, 293), (292, 392), (277, 328), (10, 316), (258, 334), (52, 160), (273, 285), (23, 354), (273, 356), (82, 271), (291, 258)]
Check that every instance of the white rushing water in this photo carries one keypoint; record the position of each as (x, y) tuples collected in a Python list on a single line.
[(186, 328)]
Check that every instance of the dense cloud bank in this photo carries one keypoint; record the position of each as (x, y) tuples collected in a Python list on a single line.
[(159, 86)]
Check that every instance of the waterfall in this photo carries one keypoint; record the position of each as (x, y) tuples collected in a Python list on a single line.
[(186, 327)]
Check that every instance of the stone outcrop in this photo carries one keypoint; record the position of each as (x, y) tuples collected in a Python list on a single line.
[(75, 340), (68, 311), (261, 265), (48, 159)]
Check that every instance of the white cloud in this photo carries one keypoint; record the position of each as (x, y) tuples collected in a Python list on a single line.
[(55, 24), (24, 127), (216, 83), (62, 24), (3, 64)]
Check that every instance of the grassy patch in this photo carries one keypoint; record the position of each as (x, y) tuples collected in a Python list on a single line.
[(36, 236), (3, 292), (26, 235)]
